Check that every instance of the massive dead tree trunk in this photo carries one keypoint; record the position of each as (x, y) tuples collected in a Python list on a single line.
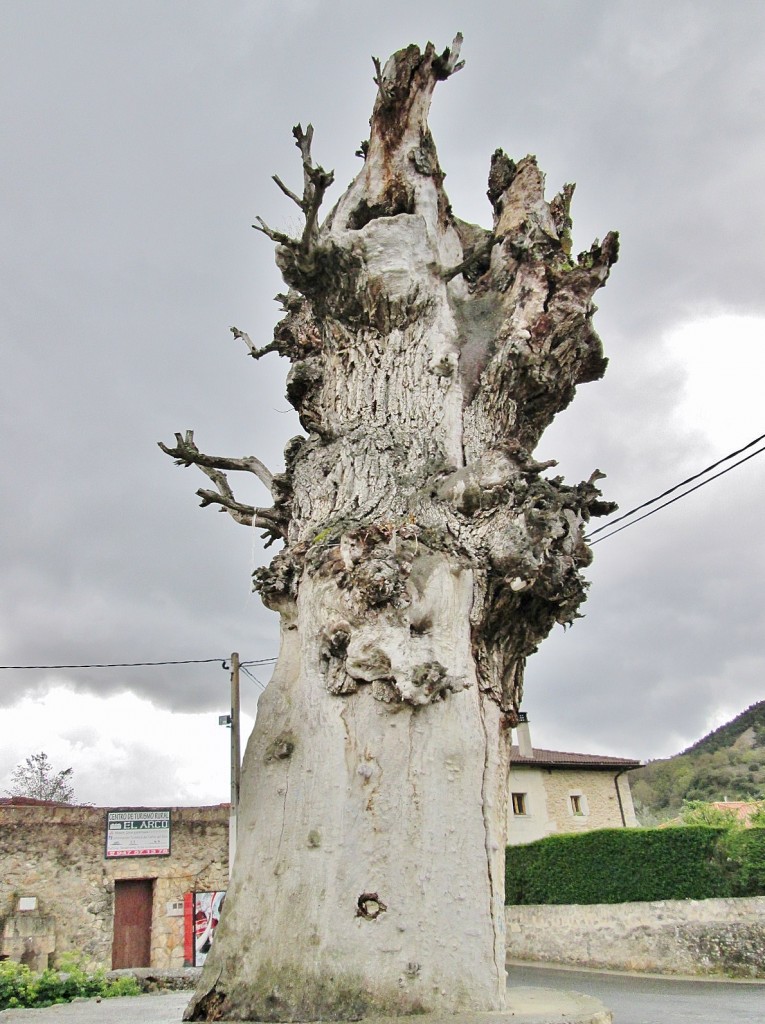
[(425, 557)]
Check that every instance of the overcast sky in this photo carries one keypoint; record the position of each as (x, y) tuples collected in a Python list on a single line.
[(138, 143)]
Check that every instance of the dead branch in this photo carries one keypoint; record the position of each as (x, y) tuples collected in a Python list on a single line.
[(287, 191), (385, 93), (276, 236), (242, 514), (186, 453), (316, 181), (245, 515), (256, 353)]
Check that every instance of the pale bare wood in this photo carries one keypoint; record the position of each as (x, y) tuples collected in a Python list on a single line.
[(186, 453), (255, 352)]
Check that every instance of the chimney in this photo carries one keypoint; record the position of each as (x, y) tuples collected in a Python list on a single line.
[(523, 735)]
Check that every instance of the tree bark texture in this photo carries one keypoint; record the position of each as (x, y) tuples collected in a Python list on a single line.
[(425, 557)]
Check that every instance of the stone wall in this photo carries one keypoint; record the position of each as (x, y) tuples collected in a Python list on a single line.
[(724, 936), (56, 853), (28, 937)]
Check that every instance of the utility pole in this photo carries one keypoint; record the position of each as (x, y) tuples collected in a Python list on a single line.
[(235, 761)]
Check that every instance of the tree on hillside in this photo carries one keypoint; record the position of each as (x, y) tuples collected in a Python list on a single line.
[(36, 778), (425, 554), (725, 764), (753, 718), (699, 812)]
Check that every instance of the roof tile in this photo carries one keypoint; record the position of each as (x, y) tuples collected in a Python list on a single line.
[(562, 758)]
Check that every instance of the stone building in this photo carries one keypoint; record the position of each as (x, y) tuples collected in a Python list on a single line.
[(60, 892), (555, 791)]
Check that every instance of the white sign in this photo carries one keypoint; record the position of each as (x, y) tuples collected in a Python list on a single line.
[(138, 833)]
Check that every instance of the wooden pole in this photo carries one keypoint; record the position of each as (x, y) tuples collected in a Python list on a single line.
[(235, 761)]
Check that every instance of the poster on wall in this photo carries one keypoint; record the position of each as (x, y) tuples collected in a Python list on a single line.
[(206, 914), (143, 833)]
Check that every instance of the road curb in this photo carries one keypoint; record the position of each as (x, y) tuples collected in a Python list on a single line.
[(545, 1006)]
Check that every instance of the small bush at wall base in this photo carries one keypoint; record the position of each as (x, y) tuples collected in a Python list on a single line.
[(20, 987), (636, 865)]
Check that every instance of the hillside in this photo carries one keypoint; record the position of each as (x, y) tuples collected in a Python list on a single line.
[(728, 763)]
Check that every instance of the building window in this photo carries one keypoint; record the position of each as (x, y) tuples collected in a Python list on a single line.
[(577, 804), (519, 803)]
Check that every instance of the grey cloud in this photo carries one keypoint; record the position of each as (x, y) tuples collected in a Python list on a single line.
[(140, 142)]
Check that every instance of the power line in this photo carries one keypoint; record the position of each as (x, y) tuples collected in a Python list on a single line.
[(606, 526), (142, 664), (689, 480), (252, 676), (679, 496)]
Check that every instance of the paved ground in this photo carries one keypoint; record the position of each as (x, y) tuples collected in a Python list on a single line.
[(527, 1006), (537, 995), (157, 1008), (653, 999)]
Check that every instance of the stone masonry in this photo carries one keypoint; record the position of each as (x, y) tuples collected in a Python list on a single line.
[(703, 937), (604, 801), (55, 852)]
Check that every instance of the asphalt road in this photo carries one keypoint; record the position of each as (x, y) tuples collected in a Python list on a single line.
[(636, 999)]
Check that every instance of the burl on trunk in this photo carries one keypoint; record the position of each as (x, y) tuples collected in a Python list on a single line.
[(425, 556)]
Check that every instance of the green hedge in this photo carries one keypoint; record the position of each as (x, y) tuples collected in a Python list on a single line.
[(745, 853), (636, 865)]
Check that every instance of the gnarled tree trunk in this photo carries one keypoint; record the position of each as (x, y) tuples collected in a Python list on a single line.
[(425, 556)]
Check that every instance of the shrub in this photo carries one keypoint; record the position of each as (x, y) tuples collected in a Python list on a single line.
[(699, 812), (622, 866), (20, 987), (16, 985)]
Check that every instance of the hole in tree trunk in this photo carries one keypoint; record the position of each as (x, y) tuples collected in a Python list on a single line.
[(364, 212), (369, 905)]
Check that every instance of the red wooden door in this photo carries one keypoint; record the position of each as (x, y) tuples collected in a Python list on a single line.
[(132, 923)]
